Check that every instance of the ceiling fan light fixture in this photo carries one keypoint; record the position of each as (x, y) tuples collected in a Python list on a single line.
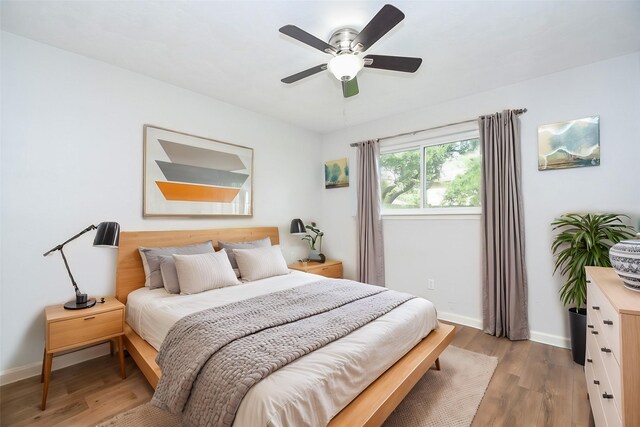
[(346, 66)]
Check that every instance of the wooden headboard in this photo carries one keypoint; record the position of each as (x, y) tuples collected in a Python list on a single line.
[(129, 271)]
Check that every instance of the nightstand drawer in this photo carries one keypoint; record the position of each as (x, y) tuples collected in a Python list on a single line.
[(334, 271), (71, 332)]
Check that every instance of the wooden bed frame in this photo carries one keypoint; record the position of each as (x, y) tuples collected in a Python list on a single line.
[(369, 408)]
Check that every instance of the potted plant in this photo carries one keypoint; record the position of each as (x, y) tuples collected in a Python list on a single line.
[(314, 238), (583, 240)]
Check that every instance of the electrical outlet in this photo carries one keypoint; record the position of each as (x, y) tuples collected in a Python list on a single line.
[(431, 284)]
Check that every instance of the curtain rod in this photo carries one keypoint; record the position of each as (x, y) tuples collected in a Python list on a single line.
[(518, 112)]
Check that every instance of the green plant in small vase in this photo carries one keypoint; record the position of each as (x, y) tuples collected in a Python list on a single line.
[(314, 238), (583, 240)]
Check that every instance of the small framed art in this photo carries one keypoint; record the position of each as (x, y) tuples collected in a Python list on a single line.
[(336, 173), (571, 144)]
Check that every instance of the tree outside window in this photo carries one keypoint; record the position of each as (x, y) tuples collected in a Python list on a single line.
[(451, 176)]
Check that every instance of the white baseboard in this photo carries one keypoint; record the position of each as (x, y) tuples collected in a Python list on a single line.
[(541, 337), (33, 369), (462, 320), (554, 340)]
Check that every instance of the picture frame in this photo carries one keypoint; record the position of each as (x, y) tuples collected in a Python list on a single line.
[(189, 175), (336, 173), (569, 144)]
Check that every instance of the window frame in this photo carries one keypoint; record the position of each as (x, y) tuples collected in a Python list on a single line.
[(436, 137)]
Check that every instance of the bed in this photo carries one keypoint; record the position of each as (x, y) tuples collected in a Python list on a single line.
[(384, 381)]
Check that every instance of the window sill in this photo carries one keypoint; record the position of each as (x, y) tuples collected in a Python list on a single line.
[(434, 214)]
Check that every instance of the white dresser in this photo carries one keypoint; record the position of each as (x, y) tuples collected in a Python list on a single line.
[(612, 366)]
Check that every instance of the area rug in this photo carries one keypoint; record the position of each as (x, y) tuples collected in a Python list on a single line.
[(449, 397)]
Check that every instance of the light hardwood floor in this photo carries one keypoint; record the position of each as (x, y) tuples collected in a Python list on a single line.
[(533, 385)]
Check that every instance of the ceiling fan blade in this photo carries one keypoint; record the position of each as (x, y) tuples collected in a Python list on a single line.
[(306, 38), (387, 18), (393, 63), (306, 73), (350, 88)]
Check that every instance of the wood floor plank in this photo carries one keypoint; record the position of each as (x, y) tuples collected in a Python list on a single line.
[(533, 385)]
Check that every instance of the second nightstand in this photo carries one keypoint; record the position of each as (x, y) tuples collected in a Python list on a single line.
[(74, 329), (329, 268)]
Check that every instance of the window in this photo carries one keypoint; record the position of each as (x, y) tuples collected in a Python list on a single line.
[(438, 175)]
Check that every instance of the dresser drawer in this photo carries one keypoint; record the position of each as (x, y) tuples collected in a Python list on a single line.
[(594, 396), (605, 316), (334, 271), (80, 330), (607, 372)]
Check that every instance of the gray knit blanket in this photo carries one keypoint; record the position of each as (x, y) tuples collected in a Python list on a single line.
[(210, 359)]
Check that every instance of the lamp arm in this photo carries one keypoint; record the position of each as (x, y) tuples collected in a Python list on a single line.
[(61, 245), (66, 264)]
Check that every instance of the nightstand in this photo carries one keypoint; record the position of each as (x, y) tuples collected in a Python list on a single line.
[(68, 330), (329, 268)]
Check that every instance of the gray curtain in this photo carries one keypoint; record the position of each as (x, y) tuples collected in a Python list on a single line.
[(370, 243), (504, 278)]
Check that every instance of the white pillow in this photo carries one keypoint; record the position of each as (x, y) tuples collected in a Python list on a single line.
[(260, 263), (199, 273)]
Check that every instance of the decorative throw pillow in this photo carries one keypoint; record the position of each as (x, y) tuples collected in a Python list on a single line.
[(169, 274), (151, 262), (260, 263), (229, 246), (199, 273)]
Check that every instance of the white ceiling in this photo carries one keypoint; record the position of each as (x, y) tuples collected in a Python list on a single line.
[(232, 50)]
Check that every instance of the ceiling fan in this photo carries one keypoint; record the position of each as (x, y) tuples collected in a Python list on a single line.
[(347, 45)]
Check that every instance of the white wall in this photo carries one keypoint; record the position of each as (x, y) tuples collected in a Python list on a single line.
[(72, 156), (448, 250)]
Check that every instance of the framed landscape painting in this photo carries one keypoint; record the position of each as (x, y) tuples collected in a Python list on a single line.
[(336, 173), (571, 144), (187, 175)]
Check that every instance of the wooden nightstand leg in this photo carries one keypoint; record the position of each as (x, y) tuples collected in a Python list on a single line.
[(123, 372), (48, 358), (111, 342), (44, 356), (438, 364)]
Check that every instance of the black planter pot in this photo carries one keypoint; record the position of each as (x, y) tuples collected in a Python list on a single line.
[(578, 325)]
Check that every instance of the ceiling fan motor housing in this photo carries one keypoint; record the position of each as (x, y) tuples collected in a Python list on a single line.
[(341, 39)]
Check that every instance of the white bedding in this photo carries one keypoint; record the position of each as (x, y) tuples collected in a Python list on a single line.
[(312, 389)]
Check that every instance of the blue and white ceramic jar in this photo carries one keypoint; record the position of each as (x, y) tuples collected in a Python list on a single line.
[(625, 259)]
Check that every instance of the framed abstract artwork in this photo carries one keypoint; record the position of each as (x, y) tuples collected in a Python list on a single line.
[(571, 144), (188, 175), (336, 173)]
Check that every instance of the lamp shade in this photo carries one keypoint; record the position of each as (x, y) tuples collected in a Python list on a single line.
[(297, 226), (107, 234)]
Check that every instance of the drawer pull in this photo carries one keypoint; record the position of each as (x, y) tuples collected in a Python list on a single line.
[(590, 326), (590, 360), (90, 317), (596, 382), (595, 307), (594, 332), (606, 395), (605, 350), (608, 322)]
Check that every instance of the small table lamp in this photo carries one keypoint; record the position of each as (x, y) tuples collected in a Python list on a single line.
[(108, 235), (297, 227)]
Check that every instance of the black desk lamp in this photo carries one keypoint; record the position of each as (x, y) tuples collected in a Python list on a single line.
[(108, 235), (297, 227)]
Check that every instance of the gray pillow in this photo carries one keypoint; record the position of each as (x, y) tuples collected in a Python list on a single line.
[(230, 246), (169, 274), (151, 262)]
